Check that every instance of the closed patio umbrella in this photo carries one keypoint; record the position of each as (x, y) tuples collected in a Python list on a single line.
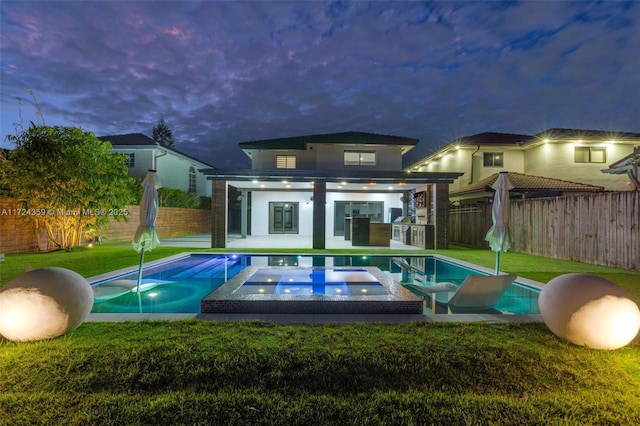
[(146, 237), (498, 235)]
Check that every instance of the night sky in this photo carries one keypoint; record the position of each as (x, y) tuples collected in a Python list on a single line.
[(221, 73)]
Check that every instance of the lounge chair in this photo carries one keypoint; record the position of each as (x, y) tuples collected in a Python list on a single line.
[(476, 293)]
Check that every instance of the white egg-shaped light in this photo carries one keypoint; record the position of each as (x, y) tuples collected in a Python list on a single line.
[(588, 310), (44, 303)]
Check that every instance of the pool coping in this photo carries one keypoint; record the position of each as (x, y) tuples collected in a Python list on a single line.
[(397, 300), (315, 318)]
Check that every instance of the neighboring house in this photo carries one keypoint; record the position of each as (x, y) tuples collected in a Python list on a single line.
[(316, 185), (524, 186), (567, 154), (630, 166), (175, 169)]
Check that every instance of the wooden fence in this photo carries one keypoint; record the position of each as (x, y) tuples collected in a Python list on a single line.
[(601, 229), (16, 236)]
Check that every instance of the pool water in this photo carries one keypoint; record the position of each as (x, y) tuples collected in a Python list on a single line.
[(312, 281), (178, 286)]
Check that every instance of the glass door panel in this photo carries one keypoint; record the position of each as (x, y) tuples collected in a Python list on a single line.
[(283, 218)]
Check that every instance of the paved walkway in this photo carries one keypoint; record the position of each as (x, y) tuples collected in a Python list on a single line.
[(273, 241)]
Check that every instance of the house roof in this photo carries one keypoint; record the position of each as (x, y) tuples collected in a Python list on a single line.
[(300, 142), (523, 183), (626, 163), (603, 135), (129, 139), (492, 138), (139, 139), (485, 138)]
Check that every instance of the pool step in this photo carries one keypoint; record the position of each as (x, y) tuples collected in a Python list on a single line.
[(206, 269)]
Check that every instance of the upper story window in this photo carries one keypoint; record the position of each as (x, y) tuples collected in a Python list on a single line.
[(192, 179), (285, 161), (493, 159), (587, 154), (131, 161), (359, 158)]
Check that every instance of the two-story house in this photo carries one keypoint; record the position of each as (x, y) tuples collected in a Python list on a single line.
[(175, 169), (553, 162), (317, 186)]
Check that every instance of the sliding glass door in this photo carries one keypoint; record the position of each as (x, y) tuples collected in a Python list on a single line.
[(344, 209)]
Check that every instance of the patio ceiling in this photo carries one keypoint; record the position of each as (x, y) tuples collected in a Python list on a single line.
[(336, 180)]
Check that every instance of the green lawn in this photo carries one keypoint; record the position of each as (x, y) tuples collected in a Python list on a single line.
[(257, 373), (260, 373)]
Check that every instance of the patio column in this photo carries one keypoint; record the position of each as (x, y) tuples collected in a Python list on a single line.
[(319, 214), (243, 213), (219, 214), (441, 208)]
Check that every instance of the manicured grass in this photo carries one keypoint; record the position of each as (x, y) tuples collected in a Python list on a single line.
[(255, 373), (258, 373)]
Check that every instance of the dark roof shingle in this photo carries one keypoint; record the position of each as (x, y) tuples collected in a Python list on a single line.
[(300, 142), (523, 183), (492, 138), (129, 139)]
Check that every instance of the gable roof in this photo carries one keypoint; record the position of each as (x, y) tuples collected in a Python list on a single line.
[(625, 163), (129, 139), (139, 139), (523, 183), (300, 142)]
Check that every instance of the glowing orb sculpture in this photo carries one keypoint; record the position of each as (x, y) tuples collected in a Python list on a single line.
[(589, 311), (44, 303)]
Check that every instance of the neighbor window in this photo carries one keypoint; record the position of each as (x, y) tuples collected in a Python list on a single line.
[(131, 161), (285, 161), (359, 158), (493, 159), (192, 179), (586, 154)]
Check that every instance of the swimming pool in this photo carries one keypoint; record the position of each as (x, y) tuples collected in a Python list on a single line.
[(180, 285)]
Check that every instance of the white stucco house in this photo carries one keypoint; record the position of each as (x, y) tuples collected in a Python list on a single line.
[(321, 186), (175, 169), (573, 155)]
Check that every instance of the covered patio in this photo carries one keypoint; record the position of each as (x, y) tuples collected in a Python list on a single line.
[(316, 195)]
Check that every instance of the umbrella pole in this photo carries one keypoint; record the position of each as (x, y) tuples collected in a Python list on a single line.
[(140, 266), (497, 262)]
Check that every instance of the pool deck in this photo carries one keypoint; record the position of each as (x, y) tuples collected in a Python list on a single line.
[(203, 241), (320, 318)]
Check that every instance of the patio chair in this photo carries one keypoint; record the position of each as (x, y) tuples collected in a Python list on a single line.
[(476, 293)]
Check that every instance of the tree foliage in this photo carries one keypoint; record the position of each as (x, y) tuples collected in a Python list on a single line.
[(66, 182), (170, 197), (163, 134)]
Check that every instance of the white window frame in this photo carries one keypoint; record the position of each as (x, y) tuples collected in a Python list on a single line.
[(131, 160), (192, 179)]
